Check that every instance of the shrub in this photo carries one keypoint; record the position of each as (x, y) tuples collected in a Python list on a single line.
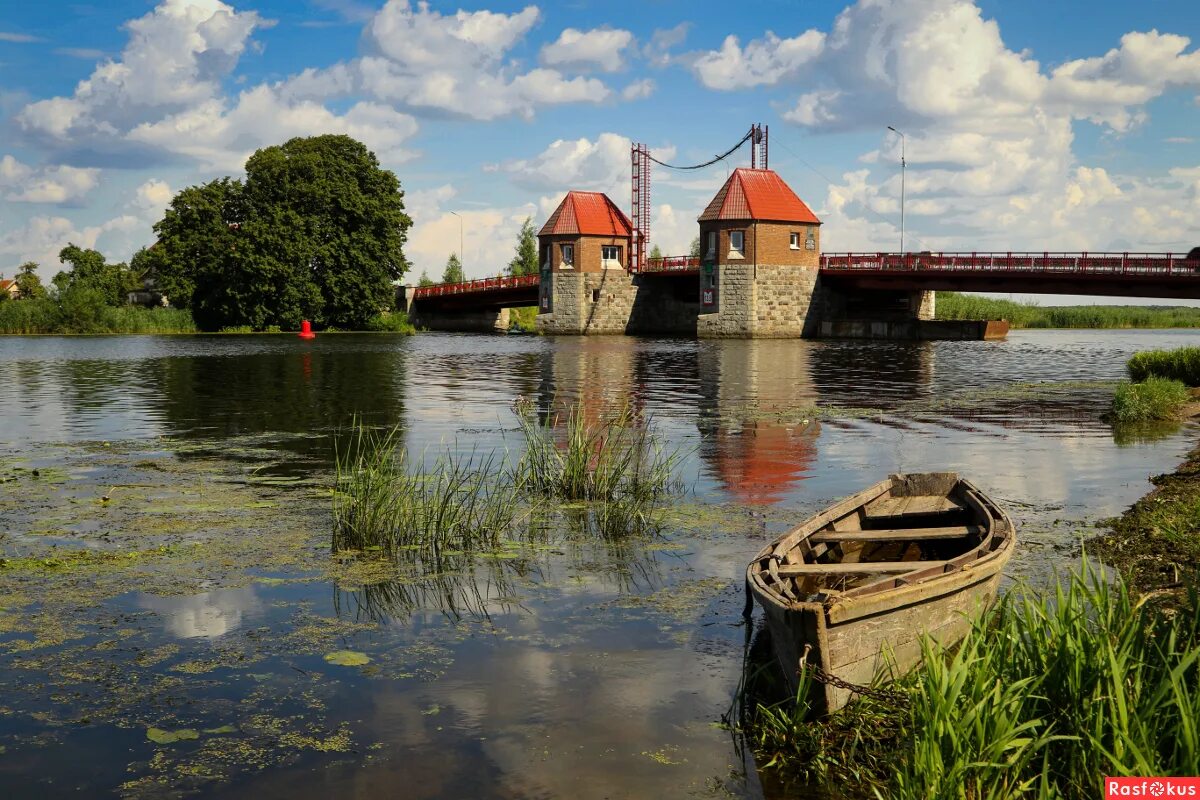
[(1152, 399), (1182, 364), (391, 322)]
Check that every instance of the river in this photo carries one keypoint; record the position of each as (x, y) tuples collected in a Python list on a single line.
[(197, 666)]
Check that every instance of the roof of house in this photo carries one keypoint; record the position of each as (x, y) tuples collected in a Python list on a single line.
[(588, 214), (758, 194), (5, 285)]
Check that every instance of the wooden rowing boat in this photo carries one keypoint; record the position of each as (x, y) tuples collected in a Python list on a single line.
[(862, 581)]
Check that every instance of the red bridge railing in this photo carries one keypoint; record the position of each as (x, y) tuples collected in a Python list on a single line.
[(1150, 264), (481, 285), (671, 264)]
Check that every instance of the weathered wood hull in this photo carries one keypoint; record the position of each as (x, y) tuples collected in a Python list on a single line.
[(878, 628)]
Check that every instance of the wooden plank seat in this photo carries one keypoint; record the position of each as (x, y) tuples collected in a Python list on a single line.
[(801, 570), (896, 534), (920, 505)]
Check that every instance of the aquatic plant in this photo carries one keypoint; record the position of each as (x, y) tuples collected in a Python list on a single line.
[(1152, 399), (1181, 364), (613, 458), (1048, 692), (458, 504)]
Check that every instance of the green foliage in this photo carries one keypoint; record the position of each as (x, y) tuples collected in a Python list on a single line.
[(83, 310), (29, 285), (454, 271), (1152, 399), (1049, 691), (523, 319), (425, 280), (92, 275), (615, 462), (525, 261), (953, 305), (378, 503), (656, 251), (694, 247), (390, 322), (316, 232), (1182, 364)]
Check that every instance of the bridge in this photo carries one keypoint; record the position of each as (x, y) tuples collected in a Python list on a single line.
[(854, 286), (1166, 275)]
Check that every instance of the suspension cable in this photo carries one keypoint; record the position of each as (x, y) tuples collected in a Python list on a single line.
[(709, 163)]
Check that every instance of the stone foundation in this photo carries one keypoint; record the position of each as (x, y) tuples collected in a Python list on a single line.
[(615, 302), (477, 321)]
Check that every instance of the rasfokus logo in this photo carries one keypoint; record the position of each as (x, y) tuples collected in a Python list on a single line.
[(1151, 787)]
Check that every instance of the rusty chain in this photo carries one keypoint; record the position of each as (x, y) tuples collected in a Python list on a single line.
[(889, 696)]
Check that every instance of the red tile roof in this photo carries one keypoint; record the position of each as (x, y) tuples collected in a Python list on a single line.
[(589, 214), (5, 284), (758, 194)]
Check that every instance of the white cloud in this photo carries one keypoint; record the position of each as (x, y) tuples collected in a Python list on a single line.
[(658, 50), (152, 197), (456, 64), (599, 48), (600, 165), (765, 61), (487, 233), (638, 90), (54, 184), (222, 136), (990, 142), (42, 237), (176, 57), (19, 38)]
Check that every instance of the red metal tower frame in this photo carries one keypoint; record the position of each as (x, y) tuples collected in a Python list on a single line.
[(639, 157), (640, 162)]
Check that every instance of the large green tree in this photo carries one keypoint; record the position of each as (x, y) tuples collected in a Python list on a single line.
[(29, 285), (315, 232), (525, 260), (454, 271), (89, 270)]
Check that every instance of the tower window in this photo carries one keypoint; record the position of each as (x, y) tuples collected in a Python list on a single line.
[(795, 241), (737, 244), (568, 255), (610, 254)]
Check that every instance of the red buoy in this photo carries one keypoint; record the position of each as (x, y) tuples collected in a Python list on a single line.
[(306, 330)]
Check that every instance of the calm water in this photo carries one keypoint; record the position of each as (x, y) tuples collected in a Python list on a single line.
[(579, 680)]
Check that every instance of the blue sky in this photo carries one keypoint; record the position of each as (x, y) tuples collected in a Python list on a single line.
[(1029, 125)]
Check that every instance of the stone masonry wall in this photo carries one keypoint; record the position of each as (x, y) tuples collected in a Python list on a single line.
[(767, 301)]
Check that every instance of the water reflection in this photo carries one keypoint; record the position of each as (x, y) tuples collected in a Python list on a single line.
[(204, 616)]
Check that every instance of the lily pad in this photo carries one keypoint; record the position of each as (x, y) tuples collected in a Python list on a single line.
[(160, 736), (347, 658)]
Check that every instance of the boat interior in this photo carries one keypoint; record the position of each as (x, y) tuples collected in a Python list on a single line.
[(919, 526)]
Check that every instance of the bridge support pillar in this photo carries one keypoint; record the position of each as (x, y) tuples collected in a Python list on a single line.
[(765, 301)]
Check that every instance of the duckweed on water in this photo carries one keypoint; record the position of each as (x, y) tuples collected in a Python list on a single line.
[(347, 658)]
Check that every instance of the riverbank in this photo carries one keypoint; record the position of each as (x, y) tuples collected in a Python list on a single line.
[(955, 306), (1156, 543)]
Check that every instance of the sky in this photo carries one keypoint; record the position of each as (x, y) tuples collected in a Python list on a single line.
[(1027, 125)]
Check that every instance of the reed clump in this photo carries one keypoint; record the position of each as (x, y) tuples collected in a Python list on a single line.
[(460, 504), (1152, 399), (1181, 364), (1048, 693), (953, 305), (623, 468)]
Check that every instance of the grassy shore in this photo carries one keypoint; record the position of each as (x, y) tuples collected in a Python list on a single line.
[(953, 305), (47, 316)]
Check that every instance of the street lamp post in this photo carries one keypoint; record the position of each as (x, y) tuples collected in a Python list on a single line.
[(902, 166), (462, 258)]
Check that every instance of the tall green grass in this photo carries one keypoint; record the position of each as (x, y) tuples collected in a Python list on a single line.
[(1152, 399), (953, 305), (523, 319), (455, 506), (76, 313), (1181, 364), (1049, 692), (622, 467)]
